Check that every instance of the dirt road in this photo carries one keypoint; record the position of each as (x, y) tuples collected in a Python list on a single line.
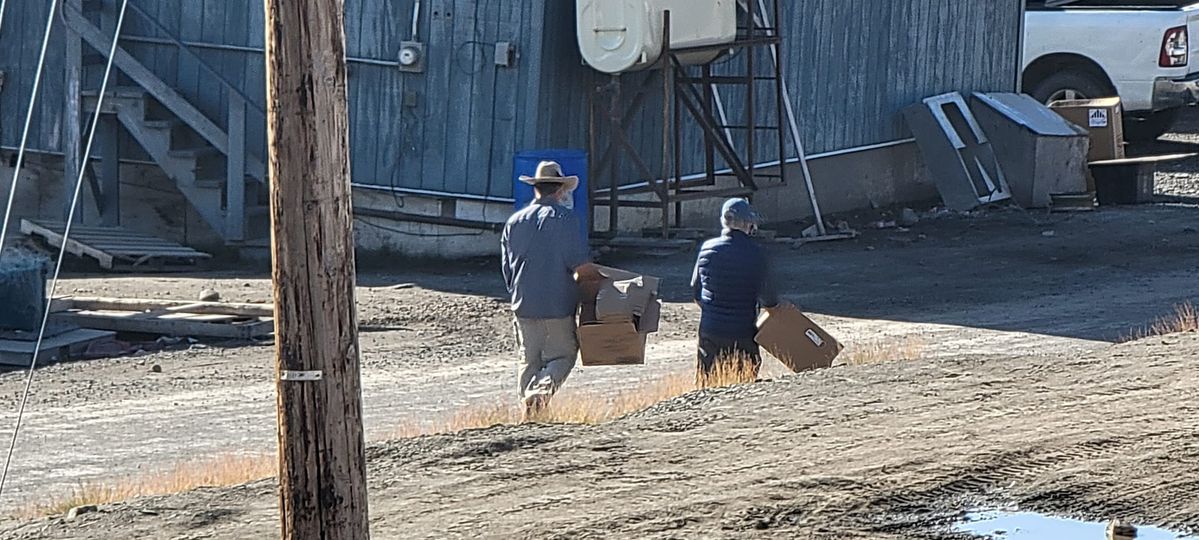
[(854, 452), (1007, 304), (984, 287)]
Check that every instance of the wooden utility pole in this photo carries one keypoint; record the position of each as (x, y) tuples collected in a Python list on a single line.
[(322, 464)]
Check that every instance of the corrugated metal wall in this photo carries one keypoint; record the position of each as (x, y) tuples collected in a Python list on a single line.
[(851, 66)]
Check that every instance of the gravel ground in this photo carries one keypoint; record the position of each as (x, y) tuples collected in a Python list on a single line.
[(896, 451), (1019, 396)]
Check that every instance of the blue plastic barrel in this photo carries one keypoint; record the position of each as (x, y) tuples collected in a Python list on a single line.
[(573, 162)]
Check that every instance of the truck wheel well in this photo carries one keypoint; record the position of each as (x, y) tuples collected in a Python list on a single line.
[(1049, 64)]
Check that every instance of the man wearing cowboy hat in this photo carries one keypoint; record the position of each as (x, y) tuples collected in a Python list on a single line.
[(730, 282), (543, 249)]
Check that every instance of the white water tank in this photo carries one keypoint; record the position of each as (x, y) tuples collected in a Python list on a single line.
[(626, 35)]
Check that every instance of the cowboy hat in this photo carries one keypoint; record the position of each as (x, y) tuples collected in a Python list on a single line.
[(550, 172)]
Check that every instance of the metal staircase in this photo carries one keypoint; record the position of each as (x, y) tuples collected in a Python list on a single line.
[(208, 163)]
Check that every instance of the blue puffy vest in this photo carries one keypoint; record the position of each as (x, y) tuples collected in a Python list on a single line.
[(729, 280)]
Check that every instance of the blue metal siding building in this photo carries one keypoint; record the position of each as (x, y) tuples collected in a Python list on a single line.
[(851, 65)]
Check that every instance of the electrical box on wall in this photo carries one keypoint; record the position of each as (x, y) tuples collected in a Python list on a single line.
[(412, 57), (505, 54)]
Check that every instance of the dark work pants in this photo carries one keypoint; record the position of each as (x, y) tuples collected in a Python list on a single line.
[(741, 355)]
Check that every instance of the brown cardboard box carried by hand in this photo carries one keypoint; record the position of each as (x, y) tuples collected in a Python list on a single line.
[(790, 336), (616, 315)]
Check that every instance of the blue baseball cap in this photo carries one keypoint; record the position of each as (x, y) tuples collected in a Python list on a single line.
[(740, 210)]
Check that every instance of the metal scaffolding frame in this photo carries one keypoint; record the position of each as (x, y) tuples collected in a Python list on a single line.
[(692, 90)]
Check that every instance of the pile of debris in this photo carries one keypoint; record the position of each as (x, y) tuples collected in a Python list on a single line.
[(87, 327), (1067, 156)]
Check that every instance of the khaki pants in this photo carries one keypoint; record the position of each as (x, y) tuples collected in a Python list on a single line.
[(549, 349)]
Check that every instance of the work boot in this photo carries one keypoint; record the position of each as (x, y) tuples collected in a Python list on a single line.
[(534, 406)]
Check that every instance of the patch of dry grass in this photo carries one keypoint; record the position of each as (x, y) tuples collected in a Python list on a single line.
[(902, 350), (570, 407), (1184, 319), (582, 407), (220, 471)]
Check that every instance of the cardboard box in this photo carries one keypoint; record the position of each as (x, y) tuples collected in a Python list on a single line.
[(1102, 118), (616, 316), (623, 294), (790, 336), (611, 344)]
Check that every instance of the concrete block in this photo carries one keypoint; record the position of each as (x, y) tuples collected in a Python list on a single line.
[(1042, 154)]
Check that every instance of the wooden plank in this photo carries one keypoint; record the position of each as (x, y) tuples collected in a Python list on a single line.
[(83, 229), (441, 50), (56, 348), (49, 117), (478, 171), (469, 63), (137, 305), (158, 267), (135, 247), (235, 192), (71, 127), (109, 134), (73, 247), (502, 138), (229, 319), (125, 240), (162, 326), (114, 237)]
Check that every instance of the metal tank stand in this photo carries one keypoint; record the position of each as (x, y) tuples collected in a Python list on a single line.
[(743, 132)]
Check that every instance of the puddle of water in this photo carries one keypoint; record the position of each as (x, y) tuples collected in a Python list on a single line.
[(1032, 526)]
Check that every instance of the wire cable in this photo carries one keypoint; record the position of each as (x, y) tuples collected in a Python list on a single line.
[(3, 4), (37, 82), (66, 234)]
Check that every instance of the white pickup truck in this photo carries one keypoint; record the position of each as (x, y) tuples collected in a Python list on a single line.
[(1139, 50)]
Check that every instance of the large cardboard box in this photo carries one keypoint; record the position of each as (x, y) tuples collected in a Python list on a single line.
[(790, 336), (616, 316), (1102, 118)]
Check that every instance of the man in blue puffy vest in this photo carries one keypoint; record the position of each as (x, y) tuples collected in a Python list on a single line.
[(731, 281)]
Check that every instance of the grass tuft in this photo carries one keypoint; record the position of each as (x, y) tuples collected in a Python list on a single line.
[(1184, 319), (905, 350), (220, 471)]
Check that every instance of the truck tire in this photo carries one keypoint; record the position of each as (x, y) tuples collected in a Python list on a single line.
[(1150, 127), (1071, 84)]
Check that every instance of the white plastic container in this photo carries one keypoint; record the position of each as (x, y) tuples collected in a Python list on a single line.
[(626, 35)]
